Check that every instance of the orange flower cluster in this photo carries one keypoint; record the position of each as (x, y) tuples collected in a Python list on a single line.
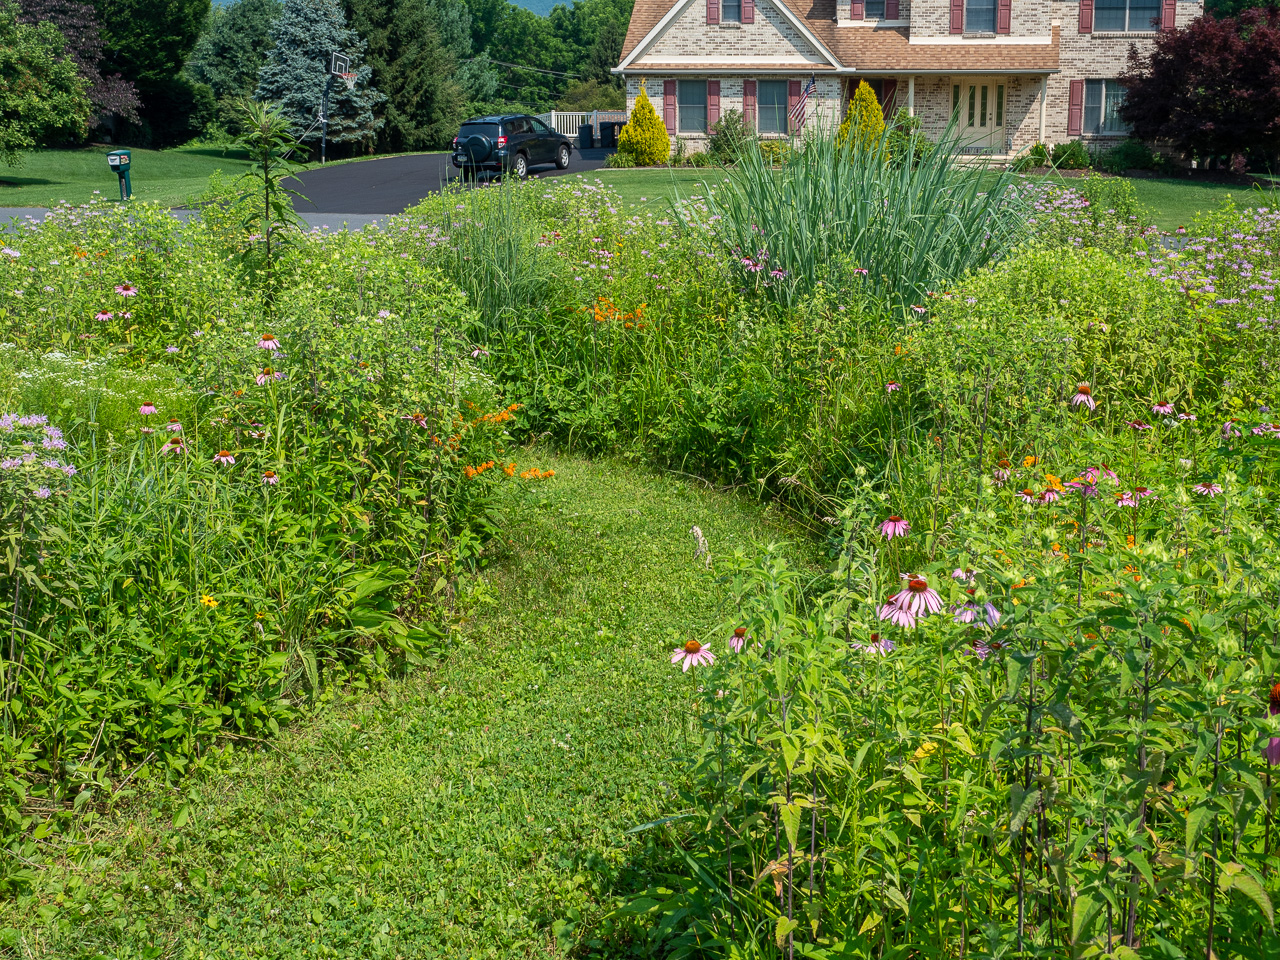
[(500, 416), (606, 310), (533, 473), (470, 471), (461, 426)]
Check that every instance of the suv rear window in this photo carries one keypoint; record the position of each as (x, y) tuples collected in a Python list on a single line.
[(489, 130)]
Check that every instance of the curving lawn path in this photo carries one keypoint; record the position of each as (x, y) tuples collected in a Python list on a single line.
[(475, 809)]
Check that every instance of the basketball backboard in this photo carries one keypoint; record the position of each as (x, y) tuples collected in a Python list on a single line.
[(339, 63)]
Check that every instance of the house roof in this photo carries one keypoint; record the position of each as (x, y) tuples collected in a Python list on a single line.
[(864, 49)]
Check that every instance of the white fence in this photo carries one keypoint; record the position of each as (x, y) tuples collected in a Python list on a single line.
[(567, 122)]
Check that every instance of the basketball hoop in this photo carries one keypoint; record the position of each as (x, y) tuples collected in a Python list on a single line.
[(349, 79)]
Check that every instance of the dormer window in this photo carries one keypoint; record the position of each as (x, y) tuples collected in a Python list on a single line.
[(980, 16), (730, 11), (874, 9)]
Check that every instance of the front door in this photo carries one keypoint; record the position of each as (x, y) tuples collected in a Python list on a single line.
[(979, 107)]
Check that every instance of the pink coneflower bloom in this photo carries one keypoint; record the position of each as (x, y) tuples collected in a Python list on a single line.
[(269, 478), (1207, 489), (861, 271), (892, 386), (1027, 496), (479, 352), (174, 445), (964, 612), (1141, 493), (269, 342), (693, 654), (1108, 473), (1126, 499), (1083, 397), (148, 431), (738, 640), (1083, 487), (1049, 496), (1139, 425), (920, 598), (1187, 416), (418, 419), (965, 576), (919, 309), (895, 526), (127, 290), (1229, 429), (891, 610), (876, 644), (224, 457), (103, 315), (1163, 408), (174, 426), (269, 374), (983, 648), (147, 409), (1273, 745)]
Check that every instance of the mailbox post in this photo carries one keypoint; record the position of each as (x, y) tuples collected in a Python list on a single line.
[(118, 161)]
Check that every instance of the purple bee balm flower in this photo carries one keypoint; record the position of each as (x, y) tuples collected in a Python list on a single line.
[(693, 654), (895, 526), (43, 493), (1206, 489), (1084, 397), (1163, 408), (171, 349)]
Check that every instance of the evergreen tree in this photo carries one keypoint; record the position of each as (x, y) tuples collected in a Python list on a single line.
[(229, 55), (413, 68), (644, 138), (865, 120), (297, 70)]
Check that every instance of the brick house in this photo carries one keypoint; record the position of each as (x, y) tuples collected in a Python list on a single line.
[(1013, 74)]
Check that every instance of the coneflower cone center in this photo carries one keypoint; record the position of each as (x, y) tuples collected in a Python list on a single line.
[(918, 586), (692, 647)]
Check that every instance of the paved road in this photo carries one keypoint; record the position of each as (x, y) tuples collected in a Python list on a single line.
[(392, 184)]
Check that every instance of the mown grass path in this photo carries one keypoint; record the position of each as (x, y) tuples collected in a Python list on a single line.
[(464, 810)]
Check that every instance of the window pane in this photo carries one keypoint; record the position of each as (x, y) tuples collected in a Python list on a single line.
[(1111, 122), (980, 16), (1141, 15), (1000, 105), (973, 93), (771, 100), (1109, 14), (982, 117), (731, 11), (874, 10), (955, 99), (1092, 106), (692, 100)]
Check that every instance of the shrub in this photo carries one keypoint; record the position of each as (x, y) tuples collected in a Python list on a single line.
[(729, 137), (644, 138), (774, 151), (904, 139), (863, 126), (620, 161), (1071, 155), (1037, 155), (1129, 155)]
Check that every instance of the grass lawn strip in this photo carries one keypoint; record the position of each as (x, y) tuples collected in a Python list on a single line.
[(464, 810)]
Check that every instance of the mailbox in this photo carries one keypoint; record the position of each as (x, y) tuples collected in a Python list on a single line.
[(118, 161)]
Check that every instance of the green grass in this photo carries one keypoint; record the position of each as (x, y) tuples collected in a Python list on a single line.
[(172, 177), (653, 189), (460, 812)]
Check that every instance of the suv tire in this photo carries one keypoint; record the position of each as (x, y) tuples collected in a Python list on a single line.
[(520, 166), (562, 157)]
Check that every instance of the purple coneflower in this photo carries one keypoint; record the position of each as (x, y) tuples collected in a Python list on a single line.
[(174, 445), (919, 598), (147, 431), (964, 612), (417, 419), (993, 615), (693, 654), (1141, 493), (1126, 499), (1273, 745), (920, 310), (891, 610), (1049, 496), (876, 644), (1229, 429), (895, 526), (269, 478), (268, 374), (738, 640), (1028, 496), (174, 426), (1187, 416), (1083, 397), (1164, 408), (965, 576), (269, 342), (147, 408), (103, 315), (1207, 489), (892, 386), (1139, 425), (127, 290), (224, 457)]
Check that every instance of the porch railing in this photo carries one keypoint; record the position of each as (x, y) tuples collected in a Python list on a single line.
[(567, 122)]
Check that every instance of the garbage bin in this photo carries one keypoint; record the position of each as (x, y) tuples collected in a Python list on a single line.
[(609, 134), (586, 137)]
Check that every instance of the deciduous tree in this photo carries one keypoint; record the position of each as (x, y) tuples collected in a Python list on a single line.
[(42, 94), (229, 55)]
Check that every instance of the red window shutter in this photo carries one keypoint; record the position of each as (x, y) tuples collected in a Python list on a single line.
[(793, 98), (749, 103), (1004, 15), (748, 11), (1086, 16), (713, 101), (857, 10), (1075, 109), (890, 89), (669, 106), (1169, 15), (891, 9), (713, 11), (957, 16)]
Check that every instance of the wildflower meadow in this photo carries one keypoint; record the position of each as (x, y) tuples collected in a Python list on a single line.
[(1028, 704)]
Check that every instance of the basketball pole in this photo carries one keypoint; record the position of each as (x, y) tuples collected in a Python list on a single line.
[(324, 116)]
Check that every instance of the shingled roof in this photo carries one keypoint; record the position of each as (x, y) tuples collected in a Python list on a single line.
[(869, 49)]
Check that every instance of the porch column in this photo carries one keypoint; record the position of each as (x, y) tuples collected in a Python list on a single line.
[(911, 99), (1044, 98)]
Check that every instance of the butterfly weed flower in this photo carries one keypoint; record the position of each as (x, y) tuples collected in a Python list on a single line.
[(895, 526), (692, 654), (1084, 397)]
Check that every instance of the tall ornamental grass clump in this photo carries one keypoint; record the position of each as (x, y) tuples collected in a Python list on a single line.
[(853, 216)]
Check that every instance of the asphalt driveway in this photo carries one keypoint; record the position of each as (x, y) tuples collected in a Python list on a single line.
[(391, 184)]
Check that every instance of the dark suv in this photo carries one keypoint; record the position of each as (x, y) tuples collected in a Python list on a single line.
[(513, 142)]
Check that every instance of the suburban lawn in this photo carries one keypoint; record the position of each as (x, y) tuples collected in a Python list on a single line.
[(465, 810)]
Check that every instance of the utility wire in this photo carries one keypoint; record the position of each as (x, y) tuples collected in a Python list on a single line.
[(521, 66)]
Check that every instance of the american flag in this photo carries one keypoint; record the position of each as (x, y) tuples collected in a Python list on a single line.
[(797, 112)]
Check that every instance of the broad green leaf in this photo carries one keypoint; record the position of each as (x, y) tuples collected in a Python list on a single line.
[(1021, 804), (1083, 914), (1234, 877), (785, 926)]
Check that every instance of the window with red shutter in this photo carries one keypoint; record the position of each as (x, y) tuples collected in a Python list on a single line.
[(669, 106), (957, 16), (749, 103), (793, 98), (857, 10), (1086, 16), (748, 11), (1169, 15), (1004, 15), (713, 101), (713, 11), (891, 10), (1075, 109)]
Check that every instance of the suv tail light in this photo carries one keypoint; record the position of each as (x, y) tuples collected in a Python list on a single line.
[(455, 141), (502, 142)]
